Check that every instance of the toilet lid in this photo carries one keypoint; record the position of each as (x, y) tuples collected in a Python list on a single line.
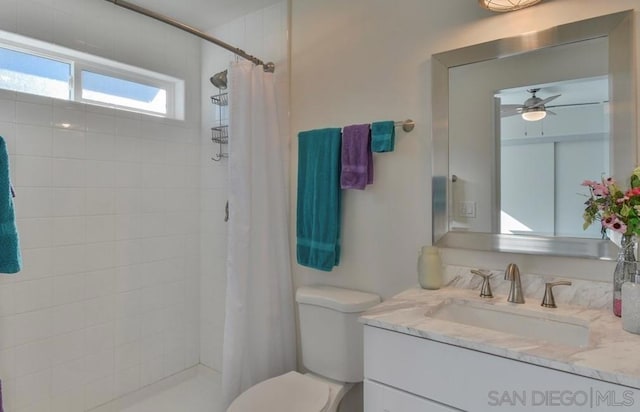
[(291, 392)]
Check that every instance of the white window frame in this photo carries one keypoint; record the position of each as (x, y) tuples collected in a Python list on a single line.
[(81, 61), (38, 53), (81, 66)]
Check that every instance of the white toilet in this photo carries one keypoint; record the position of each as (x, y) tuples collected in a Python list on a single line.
[(331, 350)]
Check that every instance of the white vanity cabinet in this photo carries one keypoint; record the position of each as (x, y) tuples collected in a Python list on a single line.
[(405, 373), (382, 398)]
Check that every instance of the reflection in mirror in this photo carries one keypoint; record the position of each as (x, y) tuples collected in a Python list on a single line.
[(503, 183), (539, 196), (487, 156)]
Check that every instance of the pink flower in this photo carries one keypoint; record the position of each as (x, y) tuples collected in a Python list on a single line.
[(600, 190), (617, 209), (619, 227), (614, 223)]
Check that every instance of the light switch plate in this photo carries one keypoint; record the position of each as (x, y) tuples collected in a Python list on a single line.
[(467, 209)]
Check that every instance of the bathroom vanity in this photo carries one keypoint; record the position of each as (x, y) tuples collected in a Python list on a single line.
[(450, 350)]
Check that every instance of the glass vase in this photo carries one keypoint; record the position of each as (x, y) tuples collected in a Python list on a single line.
[(625, 269)]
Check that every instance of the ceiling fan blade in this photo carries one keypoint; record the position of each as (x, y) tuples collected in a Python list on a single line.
[(509, 113), (576, 104), (547, 100), (510, 106), (510, 110)]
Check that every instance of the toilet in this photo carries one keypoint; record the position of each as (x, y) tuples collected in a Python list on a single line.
[(331, 342)]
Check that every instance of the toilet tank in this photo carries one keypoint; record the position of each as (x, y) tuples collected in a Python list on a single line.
[(331, 336)]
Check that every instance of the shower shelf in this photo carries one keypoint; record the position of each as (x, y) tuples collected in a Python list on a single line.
[(220, 134), (221, 99)]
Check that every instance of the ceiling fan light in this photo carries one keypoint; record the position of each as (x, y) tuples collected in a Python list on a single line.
[(534, 115), (506, 5)]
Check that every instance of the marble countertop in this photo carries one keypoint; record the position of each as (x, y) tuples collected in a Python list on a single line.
[(610, 355)]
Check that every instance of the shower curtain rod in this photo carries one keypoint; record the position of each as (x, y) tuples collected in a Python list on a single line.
[(268, 67)]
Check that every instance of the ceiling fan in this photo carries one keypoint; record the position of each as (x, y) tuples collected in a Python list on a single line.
[(532, 109), (535, 108)]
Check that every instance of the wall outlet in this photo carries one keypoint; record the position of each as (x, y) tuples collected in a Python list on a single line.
[(467, 209)]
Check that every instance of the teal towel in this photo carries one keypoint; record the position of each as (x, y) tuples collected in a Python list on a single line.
[(10, 259), (383, 136), (318, 211)]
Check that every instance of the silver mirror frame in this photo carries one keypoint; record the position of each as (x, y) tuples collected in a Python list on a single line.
[(619, 30)]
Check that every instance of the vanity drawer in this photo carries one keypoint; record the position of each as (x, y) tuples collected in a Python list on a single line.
[(382, 398), (476, 381)]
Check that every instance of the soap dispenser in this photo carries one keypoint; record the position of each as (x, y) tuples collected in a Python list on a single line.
[(430, 268), (631, 304)]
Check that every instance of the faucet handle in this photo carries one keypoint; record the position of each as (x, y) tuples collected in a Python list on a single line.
[(548, 301), (485, 290)]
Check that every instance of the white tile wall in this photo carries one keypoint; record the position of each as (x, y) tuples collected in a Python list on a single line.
[(263, 34), (108, 212)]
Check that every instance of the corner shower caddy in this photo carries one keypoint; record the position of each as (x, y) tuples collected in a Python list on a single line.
[(220, 133)]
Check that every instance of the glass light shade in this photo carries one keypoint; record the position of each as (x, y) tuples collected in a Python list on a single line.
[(534, 115), (506, 5)]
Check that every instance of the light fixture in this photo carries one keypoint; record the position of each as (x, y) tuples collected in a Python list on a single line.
[(506, 5), (534, 114)]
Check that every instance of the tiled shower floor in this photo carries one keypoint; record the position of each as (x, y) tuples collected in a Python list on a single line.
[(197, 390)]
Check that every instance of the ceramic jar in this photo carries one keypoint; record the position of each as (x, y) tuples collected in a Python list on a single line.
[(429, 268)]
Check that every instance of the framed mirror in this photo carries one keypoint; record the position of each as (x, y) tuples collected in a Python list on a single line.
[(502, 182)]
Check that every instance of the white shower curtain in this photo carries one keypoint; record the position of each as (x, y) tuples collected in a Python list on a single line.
[(259, 333)]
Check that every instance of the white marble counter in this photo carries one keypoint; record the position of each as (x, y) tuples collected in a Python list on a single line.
[(611, 354)]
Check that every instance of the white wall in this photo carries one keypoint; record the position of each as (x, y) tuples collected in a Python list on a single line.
[(264, 34), (108, 213), (363, 60)]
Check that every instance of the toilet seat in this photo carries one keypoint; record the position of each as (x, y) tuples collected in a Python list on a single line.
[(291, 392)]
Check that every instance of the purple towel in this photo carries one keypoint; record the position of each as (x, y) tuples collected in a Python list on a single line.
[(357, 159)]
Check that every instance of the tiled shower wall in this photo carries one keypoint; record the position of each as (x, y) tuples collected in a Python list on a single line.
[(108, 212), (263, 34)]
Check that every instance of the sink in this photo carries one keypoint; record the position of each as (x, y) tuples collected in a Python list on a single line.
[(522, 322)]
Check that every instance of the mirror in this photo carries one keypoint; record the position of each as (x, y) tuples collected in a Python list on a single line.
[(565, 139), (485, 153)]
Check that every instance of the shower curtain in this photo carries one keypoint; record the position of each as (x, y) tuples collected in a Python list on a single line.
[(259, 332)]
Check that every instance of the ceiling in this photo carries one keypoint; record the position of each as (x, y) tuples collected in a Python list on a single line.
[(204, 14), (587, 90)]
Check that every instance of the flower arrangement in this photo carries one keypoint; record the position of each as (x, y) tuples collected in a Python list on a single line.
[(616, 209)]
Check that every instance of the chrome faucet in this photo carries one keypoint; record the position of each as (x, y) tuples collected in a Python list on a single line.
[(512, 273)]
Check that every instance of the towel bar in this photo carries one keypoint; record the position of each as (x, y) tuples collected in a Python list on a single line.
[(407, 125)]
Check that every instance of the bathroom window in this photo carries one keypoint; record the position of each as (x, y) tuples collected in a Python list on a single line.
[(120, 92), (30, 73), (32, 66)]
